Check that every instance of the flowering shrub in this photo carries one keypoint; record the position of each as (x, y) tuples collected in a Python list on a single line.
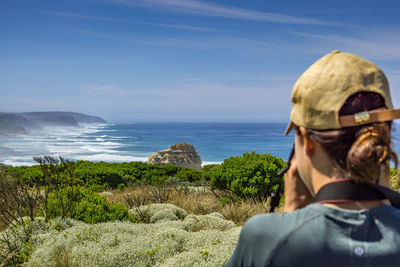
[(168, 212), (163, 243), (215, 220), (395, 179), (159, 212)]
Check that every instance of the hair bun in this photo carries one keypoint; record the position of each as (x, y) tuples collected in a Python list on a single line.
[(371, 149)]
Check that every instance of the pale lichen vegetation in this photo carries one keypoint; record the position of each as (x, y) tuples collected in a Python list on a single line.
[(171, 237)]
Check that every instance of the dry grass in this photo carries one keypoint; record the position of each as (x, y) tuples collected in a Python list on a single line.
[(131, 196), (204, 227), (241, 212), (199, 202)]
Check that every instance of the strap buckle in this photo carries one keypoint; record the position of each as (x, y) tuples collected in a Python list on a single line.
[(362, 118)]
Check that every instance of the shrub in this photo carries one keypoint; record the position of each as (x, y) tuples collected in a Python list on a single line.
[(249, 176), (26, 174), (103, 175), (195, 241), (100, 175), (207, 169), (158, 212), (196, 223), (395, 179), (187, 175), (88, 206), (16, 202)]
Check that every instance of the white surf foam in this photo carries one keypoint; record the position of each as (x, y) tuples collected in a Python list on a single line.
[(20, 161), (210, 163), (111, 158), (96, 149)]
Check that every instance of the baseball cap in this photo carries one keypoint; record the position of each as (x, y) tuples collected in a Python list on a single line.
[(324, 87)]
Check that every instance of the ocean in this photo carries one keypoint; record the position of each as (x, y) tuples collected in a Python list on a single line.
[(137, 141)]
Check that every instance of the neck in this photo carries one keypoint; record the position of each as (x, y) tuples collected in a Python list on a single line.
[(319, 179)]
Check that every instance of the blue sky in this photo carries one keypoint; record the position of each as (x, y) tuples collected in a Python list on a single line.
[(181, 60)]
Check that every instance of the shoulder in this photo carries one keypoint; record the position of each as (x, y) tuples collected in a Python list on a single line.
[(262, 234), (387, 215), (275, 226)]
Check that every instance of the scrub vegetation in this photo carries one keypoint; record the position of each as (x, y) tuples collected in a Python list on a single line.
[(61, 213)]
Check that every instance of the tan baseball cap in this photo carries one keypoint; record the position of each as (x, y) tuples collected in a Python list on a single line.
[(323, 88)]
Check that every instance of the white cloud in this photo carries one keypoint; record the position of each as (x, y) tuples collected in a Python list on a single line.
[(212, 43), (216, 10), (217, 42), (376, 44), (164, 25), (107, 90), (178, 26), (80, 16)]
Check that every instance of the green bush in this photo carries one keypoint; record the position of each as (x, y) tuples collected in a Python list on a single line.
[(249, 176), (116, 175), (187, 175), (88, 206), (102, 175), (207, 169), (26, 174)]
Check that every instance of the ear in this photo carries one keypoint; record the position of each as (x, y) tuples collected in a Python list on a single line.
[(309, 144)]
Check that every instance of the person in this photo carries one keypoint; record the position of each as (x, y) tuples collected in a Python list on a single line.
[(339, 210)]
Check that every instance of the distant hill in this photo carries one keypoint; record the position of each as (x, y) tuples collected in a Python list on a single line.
[(16, 124), (64, 117), (24, 123)]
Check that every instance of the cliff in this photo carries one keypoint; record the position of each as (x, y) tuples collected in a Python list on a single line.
[(24, 123), (16, 124), (48, 119), (183, 155), (63, 118)]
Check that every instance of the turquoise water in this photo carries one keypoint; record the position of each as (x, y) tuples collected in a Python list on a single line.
[(137, 141), (214, 141)]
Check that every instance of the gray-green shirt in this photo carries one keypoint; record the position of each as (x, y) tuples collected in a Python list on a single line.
[(319, 235)]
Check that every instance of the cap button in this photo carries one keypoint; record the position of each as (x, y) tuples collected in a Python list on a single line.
[(335, 52)]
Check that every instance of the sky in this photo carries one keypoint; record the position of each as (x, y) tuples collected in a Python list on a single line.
[(182, 60)]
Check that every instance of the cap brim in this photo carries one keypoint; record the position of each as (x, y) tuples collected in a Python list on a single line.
[(289, 128)]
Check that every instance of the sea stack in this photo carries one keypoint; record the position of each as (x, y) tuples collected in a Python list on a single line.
[(183, 155)]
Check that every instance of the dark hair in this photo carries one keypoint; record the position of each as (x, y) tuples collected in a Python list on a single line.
[(363, 151)]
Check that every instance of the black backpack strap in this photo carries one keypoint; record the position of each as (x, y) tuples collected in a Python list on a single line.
[(348, 190), (393, 196)]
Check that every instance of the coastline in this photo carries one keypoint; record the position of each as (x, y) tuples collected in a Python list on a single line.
[(137, 141)]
